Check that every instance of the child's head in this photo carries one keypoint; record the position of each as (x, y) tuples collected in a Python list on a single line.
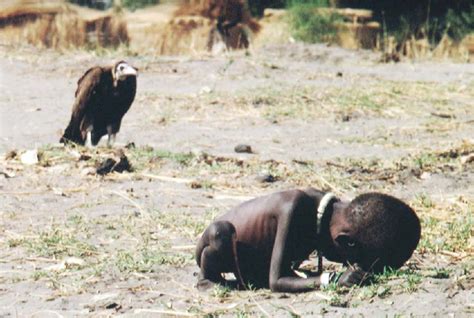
[(376, 230)]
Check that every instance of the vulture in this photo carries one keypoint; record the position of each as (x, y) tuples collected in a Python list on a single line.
[(103, 96)]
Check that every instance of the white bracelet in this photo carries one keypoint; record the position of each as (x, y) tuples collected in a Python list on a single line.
[(325, 278)]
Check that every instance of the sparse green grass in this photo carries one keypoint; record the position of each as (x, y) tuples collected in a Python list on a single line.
[(145, 260), (146, 155), (445, 228), (407, 281), (211, 173), (382, 98), (310, 24), (57, 242), (221, 292)]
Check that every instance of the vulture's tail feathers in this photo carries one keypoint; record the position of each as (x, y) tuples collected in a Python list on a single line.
[(72, 134)]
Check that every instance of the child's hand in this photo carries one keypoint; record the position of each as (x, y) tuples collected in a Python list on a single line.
[(354, 275)]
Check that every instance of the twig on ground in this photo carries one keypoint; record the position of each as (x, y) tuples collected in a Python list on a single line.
[(165, 178), (135, 204)]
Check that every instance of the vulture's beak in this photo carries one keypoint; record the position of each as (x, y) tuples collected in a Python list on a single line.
[(128, 71)]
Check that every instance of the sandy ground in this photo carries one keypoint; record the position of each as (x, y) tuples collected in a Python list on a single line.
[(291, 103)]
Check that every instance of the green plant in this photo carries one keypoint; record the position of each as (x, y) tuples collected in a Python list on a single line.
[(411, 283), (429, 19), (310, 24), (458, 24), (59, 242), (221, 292), (136, 4)]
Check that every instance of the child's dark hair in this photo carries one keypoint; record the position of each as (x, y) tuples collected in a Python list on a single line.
[(386, 229)]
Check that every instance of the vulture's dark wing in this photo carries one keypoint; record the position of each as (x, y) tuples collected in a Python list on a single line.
[(88, 92), (87, 97), (79, 81)]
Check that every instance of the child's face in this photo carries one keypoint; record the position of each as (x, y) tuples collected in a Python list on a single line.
[(346, 246), (341, 248)]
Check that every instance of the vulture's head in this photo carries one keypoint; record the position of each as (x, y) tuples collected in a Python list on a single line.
[(122, 70)]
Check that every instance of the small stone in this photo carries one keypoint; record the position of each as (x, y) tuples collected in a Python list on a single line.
[(266, 178), (130, 145), (425, 175), (12, 154), (7, 175), (74, 262), (205, 90), (106, 166), (345, 118), (467, 159), (113, 305), (84, 157), (242, 148), (29, 157), (111, 165), (196, 185)]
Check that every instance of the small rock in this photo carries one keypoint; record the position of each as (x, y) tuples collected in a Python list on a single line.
[(74, 262), (70, 262), (12, 154), (75, 154), (59, 192), (425, 175), (196, 185), (110, 165), (84, 157), (205, 90), (113, 305), (345, 118), (29, 157), (106, 166), (467, 159), (339, 74), (130, 145), (7, 175), (266, 178), (242, 148)]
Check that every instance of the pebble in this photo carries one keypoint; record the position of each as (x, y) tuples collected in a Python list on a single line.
[(243, 148), (266, 178)]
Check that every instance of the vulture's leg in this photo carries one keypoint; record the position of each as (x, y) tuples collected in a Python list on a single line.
[(111, 136), (88, 143)]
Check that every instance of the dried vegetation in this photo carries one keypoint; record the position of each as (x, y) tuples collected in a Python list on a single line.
[(55, 24)]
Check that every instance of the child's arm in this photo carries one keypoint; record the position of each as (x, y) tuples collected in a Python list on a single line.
[(282, 278)]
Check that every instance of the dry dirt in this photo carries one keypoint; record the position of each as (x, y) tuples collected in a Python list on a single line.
[(314, 115)]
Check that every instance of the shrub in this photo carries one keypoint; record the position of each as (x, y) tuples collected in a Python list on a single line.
[(422, 18), (312, 25)]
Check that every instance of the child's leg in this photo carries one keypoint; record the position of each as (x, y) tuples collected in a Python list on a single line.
[(215, 254)]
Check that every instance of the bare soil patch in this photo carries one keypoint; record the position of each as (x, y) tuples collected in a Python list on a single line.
[(78, 244)]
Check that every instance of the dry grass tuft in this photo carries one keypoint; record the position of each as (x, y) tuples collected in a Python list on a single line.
[(58, 25), (183, 34)]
